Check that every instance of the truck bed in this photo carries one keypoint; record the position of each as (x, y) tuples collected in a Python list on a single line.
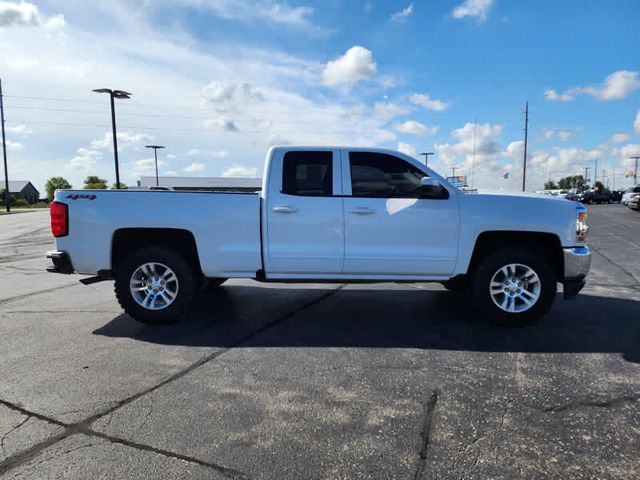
[(225, 225)]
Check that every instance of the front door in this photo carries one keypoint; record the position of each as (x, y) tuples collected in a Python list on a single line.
[(392, 226), (304, 231)]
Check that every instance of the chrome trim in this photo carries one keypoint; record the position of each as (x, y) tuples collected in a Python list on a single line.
[(577, 261)]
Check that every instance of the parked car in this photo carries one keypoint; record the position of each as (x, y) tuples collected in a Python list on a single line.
[(629, 193), (325, 215), (595, 196), (616, 196), (634, 202)]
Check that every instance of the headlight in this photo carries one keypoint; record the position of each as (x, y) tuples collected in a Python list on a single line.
[(581, 226)]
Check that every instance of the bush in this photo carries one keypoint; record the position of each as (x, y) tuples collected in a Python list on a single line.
[(21, 202)]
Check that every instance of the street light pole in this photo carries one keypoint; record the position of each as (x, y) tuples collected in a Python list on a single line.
[(155, 154), (113, 94), (426, 157), (4, 155), (635, 171)]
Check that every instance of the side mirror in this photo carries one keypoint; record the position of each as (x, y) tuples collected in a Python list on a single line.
[(429, 182), (432, 189)]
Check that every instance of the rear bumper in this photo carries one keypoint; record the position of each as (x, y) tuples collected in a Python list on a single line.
[(61, 262), (577, 262)]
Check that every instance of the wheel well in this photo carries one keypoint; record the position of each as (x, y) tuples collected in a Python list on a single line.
[(546, 243), (128, 240)]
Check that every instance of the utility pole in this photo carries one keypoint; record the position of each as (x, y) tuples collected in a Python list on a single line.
[(595, 174), (526, 134), (635, 172), (586, 174), (426, 157), (453, 171), (4, 154)]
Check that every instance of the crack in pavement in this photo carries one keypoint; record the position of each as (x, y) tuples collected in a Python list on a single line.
[(425, 434), (27, 295), (609, 259), (11, 430), (597, 404), (84, 426)]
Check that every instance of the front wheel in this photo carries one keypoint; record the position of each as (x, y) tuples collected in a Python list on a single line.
[(155, 285), (514, 287)]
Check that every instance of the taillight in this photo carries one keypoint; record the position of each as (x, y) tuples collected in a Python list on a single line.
[(581, 226), (59, 219)]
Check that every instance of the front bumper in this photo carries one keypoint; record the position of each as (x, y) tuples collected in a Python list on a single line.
[(61, 262), (577, 261)]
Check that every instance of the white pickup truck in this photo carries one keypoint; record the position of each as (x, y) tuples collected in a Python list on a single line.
[(325, 214)]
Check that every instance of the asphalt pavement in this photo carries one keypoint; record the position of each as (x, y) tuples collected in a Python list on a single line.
[(318, 381)]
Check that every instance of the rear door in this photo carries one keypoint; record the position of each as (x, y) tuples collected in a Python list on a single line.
[(304, 232), (393, 226)]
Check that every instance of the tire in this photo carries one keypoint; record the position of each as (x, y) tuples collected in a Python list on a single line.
[(492, 268), (156, 264), (212, 284)]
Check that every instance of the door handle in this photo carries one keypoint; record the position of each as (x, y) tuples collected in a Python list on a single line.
[(363, 211), (285, 209)]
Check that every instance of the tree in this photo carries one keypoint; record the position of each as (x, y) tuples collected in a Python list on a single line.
[(122, 186), (599, 186), (572, 181), (550, 185), (12, 198), (56, 183), (93, 182)]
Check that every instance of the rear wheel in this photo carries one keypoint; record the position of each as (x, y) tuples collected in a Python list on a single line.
[(514, 287), (155, 285)]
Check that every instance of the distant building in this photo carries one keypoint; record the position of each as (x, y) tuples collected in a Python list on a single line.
[(23, 189), (230, 184)]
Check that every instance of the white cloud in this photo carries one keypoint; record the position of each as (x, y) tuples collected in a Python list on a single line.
[(411, 127), (561, 134), (262, 11), (514, 150), (195, 152), (387, 110), (403, 14), (407, 149), (146, 166), (616, 86), (13, 146), (220, 92), (237, 170), (355, 65), (56, 22), (84, 159), (22, 14), (25, 14), (424, 101), (636, 123), (486, 166), (125, 139), (21, 130), (619, 138), (554, 96), (195, 167), (473, 8), (221, 123)]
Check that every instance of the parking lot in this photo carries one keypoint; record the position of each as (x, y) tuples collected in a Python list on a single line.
[(318, 381)]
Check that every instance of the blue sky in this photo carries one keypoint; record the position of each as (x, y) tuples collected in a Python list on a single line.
[(218, 81)]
